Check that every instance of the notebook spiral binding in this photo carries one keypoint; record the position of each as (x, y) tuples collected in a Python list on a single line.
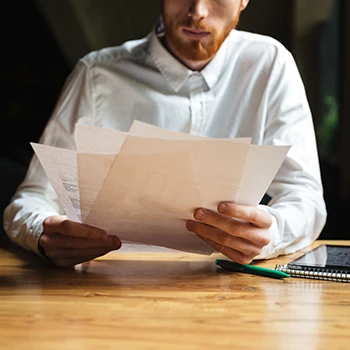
[(328, 275)]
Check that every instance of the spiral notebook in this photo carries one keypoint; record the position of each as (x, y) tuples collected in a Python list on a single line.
[(326, 262)]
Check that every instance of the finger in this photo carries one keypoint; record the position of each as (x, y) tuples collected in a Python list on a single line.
[(53, 241), (253, 215), (71, 257), (260, 237), (60, 224), (233, 254), (224, 239)]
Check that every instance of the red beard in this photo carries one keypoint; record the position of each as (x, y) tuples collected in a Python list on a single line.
[(196, 50)]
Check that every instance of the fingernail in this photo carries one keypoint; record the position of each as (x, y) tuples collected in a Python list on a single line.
[(190, 225), (222, 208), (199, 214)]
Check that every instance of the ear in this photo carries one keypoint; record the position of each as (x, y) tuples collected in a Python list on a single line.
[(244, 4)]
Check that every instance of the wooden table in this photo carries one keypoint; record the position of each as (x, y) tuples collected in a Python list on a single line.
[(165, 301)]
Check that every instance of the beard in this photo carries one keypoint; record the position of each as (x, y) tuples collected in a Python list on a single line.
[(196, 50)]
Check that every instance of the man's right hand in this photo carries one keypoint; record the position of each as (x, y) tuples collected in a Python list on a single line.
[(67, 243)]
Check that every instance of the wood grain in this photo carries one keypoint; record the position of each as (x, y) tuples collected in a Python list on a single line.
[(165, 301)]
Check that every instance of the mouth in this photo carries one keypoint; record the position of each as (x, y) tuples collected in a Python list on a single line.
[(195, 34)]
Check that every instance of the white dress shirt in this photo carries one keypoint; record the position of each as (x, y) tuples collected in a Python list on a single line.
[(251, 88)]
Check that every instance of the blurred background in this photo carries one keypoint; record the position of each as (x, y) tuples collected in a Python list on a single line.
[(43, 39)]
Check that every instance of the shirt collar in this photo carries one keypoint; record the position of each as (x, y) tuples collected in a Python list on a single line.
[(176, 73)]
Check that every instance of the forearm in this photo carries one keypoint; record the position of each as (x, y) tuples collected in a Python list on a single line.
[(24, 216)]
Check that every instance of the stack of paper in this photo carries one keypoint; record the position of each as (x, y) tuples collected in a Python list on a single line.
[(144, 185)]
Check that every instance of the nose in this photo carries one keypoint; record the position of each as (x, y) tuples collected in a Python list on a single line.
[(198, 9)]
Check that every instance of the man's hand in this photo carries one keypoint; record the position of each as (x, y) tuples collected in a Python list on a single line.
[(237, 231), (67, 243)]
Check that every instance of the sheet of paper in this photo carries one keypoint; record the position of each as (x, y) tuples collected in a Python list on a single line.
[(144, 129), (92, 172), (93, 169), (93, 139), (217, 165), (60, 166), (261, 167)]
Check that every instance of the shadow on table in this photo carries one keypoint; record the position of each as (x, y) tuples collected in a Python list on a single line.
[(24, 271)]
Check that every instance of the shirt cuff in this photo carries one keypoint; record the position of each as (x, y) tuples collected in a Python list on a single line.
[(33, 238), (270, 251)]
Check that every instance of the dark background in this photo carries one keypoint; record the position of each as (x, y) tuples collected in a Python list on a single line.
[(42, 39)]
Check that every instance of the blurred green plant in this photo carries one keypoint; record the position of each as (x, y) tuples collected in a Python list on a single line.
[(326, 131)]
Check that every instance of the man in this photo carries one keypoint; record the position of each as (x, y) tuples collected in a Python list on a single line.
[(200, 75)]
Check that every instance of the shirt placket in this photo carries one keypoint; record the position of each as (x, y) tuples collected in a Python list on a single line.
[(197, 86)]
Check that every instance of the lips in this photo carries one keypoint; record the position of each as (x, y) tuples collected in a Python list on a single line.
[(195, 33)]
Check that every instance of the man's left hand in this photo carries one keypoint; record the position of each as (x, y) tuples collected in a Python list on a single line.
[(237, 231)]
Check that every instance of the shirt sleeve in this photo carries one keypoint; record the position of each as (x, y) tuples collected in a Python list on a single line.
[(297, 203), (35, 199)]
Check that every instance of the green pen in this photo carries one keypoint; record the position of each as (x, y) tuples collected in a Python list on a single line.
[(254, 270)]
